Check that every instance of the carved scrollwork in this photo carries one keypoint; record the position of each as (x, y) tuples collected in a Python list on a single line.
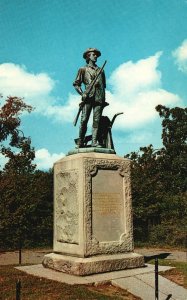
[(124, 169), (91, 167), (67, 207), (94, 171)]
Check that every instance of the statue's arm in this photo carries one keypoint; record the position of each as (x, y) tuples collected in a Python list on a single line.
[(78, 81)]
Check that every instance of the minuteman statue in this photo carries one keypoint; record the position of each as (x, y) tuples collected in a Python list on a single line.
[(95, 99)]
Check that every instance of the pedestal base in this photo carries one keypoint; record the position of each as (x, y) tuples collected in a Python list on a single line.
[(91, 150), (92, 215), (92, 265)]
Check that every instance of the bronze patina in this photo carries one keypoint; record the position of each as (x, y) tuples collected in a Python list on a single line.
[(93, 96)]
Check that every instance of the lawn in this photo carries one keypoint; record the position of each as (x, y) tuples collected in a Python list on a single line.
[(177, 275), (35, 288)]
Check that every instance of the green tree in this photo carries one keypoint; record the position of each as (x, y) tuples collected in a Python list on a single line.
[(159, 182), (15, 175), (25, 193), (13, 144), (173, 155), (26, 209)]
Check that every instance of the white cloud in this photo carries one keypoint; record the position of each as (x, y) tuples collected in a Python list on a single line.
[(180, 55), (45, 160), (135, 89), (3, 161), (141, 109), (131, 78), (64, 113), (15, 80)]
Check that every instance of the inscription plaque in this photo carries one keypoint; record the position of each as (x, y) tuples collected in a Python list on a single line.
[(106, 203), (107, 206)]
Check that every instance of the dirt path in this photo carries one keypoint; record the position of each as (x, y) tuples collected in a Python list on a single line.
[(36, 256), (176, 255), (27, 257)]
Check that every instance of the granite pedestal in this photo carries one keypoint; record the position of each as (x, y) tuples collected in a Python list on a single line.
[(92, 215)]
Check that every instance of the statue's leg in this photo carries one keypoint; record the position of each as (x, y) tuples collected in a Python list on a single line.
[(83, 124), (97, 112)]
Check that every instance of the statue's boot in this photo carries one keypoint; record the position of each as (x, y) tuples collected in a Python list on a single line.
[(94, 138), (82, 132)]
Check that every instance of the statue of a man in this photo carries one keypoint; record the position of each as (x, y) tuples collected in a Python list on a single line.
[(95, 99)]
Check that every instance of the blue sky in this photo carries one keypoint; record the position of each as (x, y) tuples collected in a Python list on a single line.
[(144, 42)]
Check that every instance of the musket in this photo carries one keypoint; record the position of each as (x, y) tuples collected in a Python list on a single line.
[(78, 114), (87, 92)]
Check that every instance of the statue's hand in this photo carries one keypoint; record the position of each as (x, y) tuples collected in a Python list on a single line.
[(84, 96), (81, 104)]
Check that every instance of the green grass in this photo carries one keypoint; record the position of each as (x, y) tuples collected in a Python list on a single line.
[(181, 269), (35, 288), (139, 244), (39, 288)]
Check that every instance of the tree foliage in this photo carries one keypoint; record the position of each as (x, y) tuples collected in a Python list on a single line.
[(159, 182), (13, 144), (174, 153), (26, 209), (25, 193)]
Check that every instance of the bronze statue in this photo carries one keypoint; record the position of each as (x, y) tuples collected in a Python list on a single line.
[(93, 97), (104, 133)]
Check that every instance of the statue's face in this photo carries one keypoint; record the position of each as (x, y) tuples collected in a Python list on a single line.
[(93, 56)]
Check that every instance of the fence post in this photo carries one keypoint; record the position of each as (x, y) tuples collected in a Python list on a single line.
[(18, 290), (20, 249), (156, 279)]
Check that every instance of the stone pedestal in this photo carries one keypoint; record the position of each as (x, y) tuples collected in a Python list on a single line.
[(92, 215)]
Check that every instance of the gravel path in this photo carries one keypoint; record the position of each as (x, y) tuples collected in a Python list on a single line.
[(27, 257), (176, 255), (36, 256)]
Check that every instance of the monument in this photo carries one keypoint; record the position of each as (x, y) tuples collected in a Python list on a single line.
[(93, 231)]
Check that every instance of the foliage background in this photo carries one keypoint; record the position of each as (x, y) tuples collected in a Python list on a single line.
[(158, 184), (26, 201)]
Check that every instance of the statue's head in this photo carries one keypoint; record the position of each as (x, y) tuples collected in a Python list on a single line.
[(91, 54)]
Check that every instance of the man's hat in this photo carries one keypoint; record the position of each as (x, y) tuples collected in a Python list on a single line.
[(98, 53)]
